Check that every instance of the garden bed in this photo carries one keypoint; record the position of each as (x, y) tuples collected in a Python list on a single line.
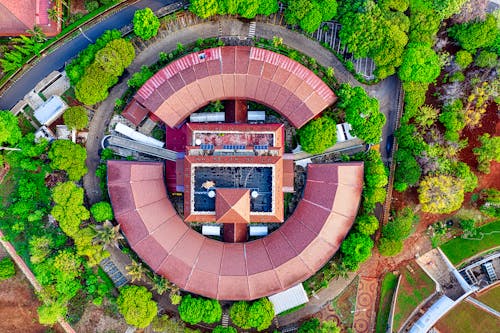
[(415, 287)]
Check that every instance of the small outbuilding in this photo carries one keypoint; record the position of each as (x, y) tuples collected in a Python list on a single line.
[(50, 110)]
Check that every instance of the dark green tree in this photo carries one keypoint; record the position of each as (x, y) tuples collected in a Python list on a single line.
[(356, 249), (474, 35)]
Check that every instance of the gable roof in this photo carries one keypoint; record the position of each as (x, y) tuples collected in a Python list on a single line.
[(17, 16), (232, 205)]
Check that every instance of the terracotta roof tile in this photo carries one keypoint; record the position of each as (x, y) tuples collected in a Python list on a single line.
[(135, 112), (232, 205), (243, 270)]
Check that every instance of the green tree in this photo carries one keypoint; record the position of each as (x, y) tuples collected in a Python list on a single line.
[(356, 249), (401, 226), (474, 35), (258, 314), (40, 248), (9, 128), (463, 59), (462, 171), (426, 116), (204, 8), (389, 248), (136, 305), (361, 112), (487, 152), (139, 78), (441, 194), (136, 271), (102, 211), (70, 157), (68, 209), (195, 310), (420, 64), (367, 224), (486, 59), (108, 234), (318, 135), (76, 117), (453, 119), (7, 268), (146, 24), (408, 171)]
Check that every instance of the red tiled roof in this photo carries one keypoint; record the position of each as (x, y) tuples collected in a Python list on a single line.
[(240, 271), (235, 232), (135, 112), (288, 173), (17, 16), (235, 72), (232, 205)]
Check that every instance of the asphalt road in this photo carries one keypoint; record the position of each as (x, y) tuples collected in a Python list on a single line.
[(57, 59)]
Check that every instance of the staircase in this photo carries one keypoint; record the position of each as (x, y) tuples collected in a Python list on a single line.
[(225, 319), (113, 272), (251, 29)]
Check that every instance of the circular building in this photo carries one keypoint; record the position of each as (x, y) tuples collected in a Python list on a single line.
[(232, 174)]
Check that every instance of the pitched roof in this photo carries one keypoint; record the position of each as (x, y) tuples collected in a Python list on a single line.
[(232, 205), (239, 271), (235, 72)]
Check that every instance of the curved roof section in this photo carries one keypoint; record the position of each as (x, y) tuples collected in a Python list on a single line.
[(235, 72), (235, 271)]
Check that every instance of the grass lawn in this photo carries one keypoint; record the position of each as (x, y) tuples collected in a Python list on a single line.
[(466, 318), (491, 297), (386, 292), (414, 288), (459, 249)]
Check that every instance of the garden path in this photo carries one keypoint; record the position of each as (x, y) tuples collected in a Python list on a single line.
[(364, 314)]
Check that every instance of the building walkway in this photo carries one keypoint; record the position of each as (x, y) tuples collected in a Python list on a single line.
[(113, 140), (483, 306)]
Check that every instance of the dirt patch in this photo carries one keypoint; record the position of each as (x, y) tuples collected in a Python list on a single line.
[(78, 6), (18, 306), (97, 320)]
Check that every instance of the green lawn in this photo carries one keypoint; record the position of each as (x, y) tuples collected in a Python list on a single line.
[(491, 298), (466, 318), (414, 288), (459, 249), (386, 292)]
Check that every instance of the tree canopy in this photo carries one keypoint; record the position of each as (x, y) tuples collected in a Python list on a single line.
[(367, 224), (309, 14), (146, 23), (68, 209), (102, 211), (9, 128), (318, 135), (195, 310), (136, 305), (474, 35), (441, 194), (356, 249), (245, 8), (487, 152), (70, 157), (76, 117), (258, 314), (362, 112), (408, 171), (7, 268), (420, 64)]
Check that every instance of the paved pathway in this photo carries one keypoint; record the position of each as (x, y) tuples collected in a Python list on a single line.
[(364, 315)]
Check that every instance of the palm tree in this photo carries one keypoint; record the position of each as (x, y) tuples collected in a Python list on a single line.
[(108, 234), (37, 34), (136, 271), (54, 14), (339, 270), (160, 284)]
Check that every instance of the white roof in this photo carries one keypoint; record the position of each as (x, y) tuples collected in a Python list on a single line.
[(431, 316), (210, 230), (258, 230), (50, 110), (134, 135), (289, 298), (205, 117)]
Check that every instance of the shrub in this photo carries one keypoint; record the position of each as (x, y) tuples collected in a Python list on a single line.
[(222, 329), (462, 171), (408, 171), (389, 248), (315, 326), (76, 117), (7, 268), (463, 59), (400, 227), (457, 77), (486, 59), (318, 135), (139, 78), (195, 310), (102, 211), (136, 306), (146, 24), (441, 194), (49, 313), (10, 132)]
